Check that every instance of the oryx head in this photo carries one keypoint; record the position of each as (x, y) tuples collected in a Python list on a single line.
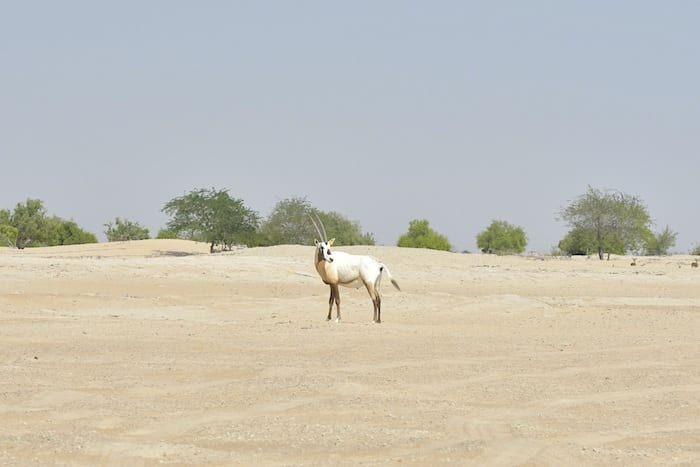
[(323, 250), (323, 246)]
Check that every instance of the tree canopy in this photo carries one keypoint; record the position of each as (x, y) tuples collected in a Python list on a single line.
[(211, 216), (290, 223), (345, 231), (420, 235), (659, 244), (122, 230), (502, 238), (29, 226), (602, 221), (8, 233), (30, 221), (610, 220), (63, 232), (580, 241)]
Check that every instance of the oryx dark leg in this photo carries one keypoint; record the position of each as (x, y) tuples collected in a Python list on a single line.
[(376, 303), (330, 304), (334, 298)]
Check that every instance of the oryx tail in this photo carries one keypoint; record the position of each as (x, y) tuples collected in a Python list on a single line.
[(383, 268)]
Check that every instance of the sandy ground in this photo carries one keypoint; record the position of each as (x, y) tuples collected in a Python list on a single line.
[(156, 352)]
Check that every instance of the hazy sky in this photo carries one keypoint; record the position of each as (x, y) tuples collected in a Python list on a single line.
[(459, 112)]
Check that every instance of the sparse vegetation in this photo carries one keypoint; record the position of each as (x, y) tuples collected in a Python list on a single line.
[(600, 221)]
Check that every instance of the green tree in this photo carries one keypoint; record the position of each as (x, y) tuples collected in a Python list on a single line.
[(696, 250), (289, 223), (28, 225), (31, 223), (8, 235), (578, 241), (63, 232), (661, 243), (211, 216), (420, 235), (122, 230), (502, 238), (345, 231), (165, 234), (616, 221)]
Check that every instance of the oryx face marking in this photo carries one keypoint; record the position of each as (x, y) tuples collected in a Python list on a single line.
[(324, 251)]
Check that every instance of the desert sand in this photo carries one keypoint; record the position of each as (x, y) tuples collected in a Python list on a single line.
[(156, 352)]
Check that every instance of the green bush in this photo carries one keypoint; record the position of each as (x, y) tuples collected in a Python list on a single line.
[(659, 244), (579, 241), (29, 226), (62, 232), (420, 235), (166, 234), (123, 230), (502, 238), (8, 235)]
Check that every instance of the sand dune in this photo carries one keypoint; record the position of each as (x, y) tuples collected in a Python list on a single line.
[(152, 352)]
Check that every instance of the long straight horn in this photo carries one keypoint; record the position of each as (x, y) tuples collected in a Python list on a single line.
[(325, 235), (318, 231)]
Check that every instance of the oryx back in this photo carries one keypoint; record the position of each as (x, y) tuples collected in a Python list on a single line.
[(355, 270)]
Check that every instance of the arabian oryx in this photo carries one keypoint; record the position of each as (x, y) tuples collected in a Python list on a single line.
[(338, 268)]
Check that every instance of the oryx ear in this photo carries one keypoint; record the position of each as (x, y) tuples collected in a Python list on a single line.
[(330, 242), (315, 242)]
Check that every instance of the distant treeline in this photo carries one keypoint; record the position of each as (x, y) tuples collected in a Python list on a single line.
[(601, 223)]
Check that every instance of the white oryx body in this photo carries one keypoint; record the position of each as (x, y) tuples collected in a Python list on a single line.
[(338, 268)]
